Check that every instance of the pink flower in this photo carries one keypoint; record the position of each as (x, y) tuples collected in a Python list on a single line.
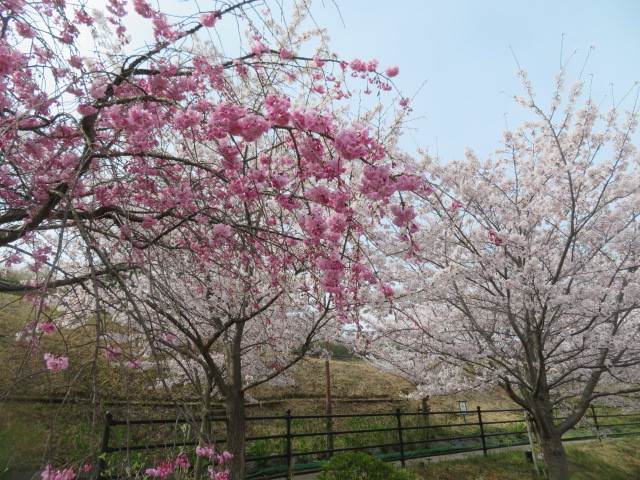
[(181, 461), (209, 19), (252, 127), (392, 71), (224, 457), (50, 474), (169, 337), (408, 183), (372, 65), (112, 353), (56, 363), (205, 451), (358, 65), (10, 60), (163, 470), (386, 290), (278, 109), (259, 48), (135, 363), (25, 30), (286, 54), (143, 8), (86, 109), (319, 194), (47, 327), (455, 206), (402, 216), (493, 236), (351, 143), (223, 475)]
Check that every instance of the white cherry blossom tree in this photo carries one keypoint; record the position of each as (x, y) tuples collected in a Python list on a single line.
[(525, 274)]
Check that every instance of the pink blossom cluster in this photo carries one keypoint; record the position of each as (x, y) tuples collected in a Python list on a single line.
[(46, 327), (51, 474), (377, 182), (163, 470), (135, 363), (352, 143), (229, 119), (358, 65), (217, 472), (10, 60), (392, 71), (313, 120), (494, 238), (402, 216), (278, 109), (56, 363), (111, 352), (332, 269), (455, 206), (219, 475), (205, 451), (209, 19), (167, 467)]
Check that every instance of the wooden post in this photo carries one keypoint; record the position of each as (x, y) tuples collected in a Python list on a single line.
[(328, 402), (531, 444), (426, 410)]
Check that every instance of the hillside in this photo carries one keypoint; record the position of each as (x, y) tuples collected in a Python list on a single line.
[(352, 381)]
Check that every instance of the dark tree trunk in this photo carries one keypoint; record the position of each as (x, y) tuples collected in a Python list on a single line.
[(204, 433), (555, 458), (236, 429), (549, 436)]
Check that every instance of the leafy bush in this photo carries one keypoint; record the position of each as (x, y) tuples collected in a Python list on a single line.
[(359, 466)]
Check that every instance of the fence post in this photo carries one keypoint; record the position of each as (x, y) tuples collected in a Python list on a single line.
[(400, 440), (104, 448), (426, 410), (288, 447), (329, 410), (595, 421), (484, 441)]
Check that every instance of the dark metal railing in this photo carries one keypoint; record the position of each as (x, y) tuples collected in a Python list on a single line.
[(396, 436)]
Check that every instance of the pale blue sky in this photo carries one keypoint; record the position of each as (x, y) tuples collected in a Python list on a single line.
[(461, 48), (461, 51)]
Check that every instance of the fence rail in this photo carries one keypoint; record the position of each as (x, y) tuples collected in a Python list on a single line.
[(301, 442)]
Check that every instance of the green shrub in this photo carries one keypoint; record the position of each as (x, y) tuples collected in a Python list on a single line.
[(359, 466)]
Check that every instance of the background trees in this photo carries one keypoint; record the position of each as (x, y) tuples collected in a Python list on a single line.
[(526, 268)]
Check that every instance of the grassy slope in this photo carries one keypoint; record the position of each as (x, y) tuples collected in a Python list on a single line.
[(610, 460)]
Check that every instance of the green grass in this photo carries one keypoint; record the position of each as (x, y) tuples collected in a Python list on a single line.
[(611, 460)]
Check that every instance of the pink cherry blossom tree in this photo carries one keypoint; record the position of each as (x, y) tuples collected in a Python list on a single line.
[(246, 177), (525, 274)]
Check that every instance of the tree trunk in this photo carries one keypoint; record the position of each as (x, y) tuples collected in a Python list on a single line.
[(555, 458), (203, 440), (204, 435), (236, 429)]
